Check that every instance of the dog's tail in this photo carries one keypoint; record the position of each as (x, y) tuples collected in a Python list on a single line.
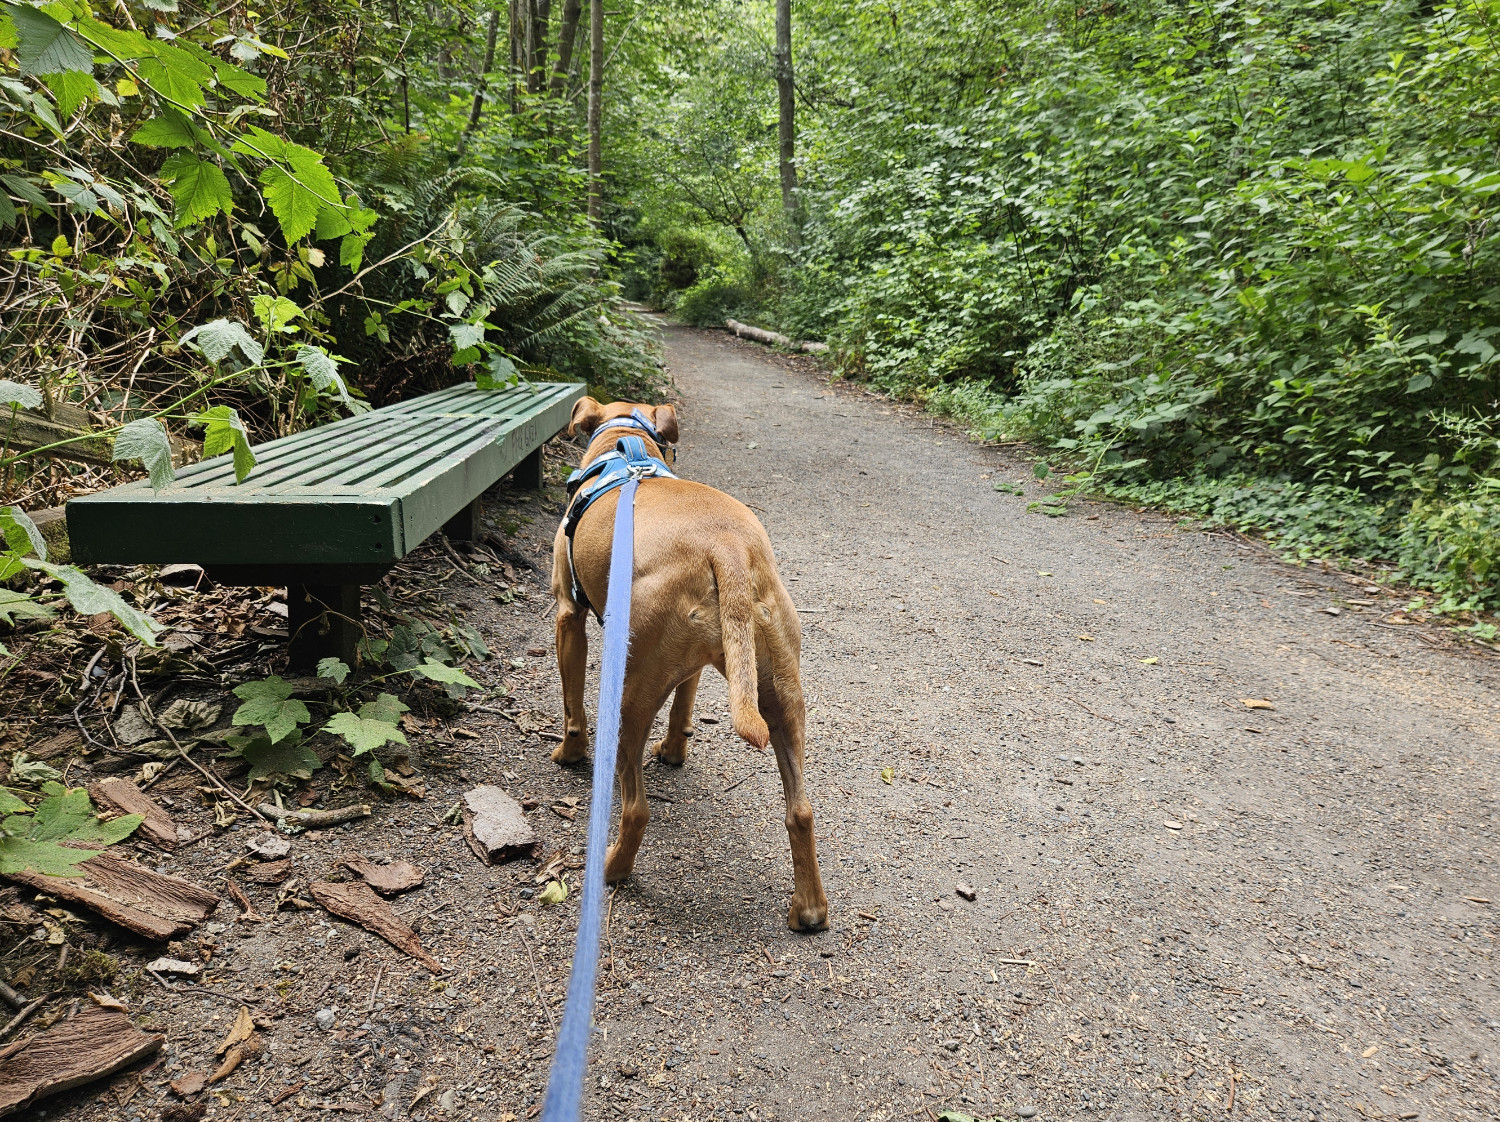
[(737, 626)]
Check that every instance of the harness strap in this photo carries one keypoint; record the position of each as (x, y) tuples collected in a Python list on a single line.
[(629, 460), (564, 1101)]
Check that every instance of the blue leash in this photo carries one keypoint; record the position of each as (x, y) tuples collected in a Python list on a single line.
[(564, 1102)]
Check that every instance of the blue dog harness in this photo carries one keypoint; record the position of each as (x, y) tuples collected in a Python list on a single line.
[(611, 471)]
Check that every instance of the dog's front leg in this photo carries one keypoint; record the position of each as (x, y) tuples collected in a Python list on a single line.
[(673, 748), (572, 661)]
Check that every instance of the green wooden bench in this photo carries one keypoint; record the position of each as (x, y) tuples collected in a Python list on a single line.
[(330, 509)]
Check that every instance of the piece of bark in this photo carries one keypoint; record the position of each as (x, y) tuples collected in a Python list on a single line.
[(357, 902), (388, 880), (269, 872), (496, 826), (316, 819), (190, 1084), (125, 797), (96, 1042), (155, 905)]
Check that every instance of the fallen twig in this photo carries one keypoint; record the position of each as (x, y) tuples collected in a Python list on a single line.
[(317, 819), (537, 975), (23, 1016)]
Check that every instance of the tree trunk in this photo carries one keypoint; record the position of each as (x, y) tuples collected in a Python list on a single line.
[(484, 71), (596, 111), (517, 44), (786, 131), (536, 79), (566, 34)]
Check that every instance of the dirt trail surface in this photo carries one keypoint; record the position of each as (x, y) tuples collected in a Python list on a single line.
[(1181, 906)]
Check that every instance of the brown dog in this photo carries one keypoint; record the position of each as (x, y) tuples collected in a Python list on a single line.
[(706, 593)]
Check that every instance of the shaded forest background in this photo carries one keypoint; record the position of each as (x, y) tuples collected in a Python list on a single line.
[(1234, 258)]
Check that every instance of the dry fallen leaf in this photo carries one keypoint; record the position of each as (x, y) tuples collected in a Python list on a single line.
[(240, 1031), (108, 1002), (1256, 703), (555, 892), (1152, 661), (1087, 638), (888, 775)]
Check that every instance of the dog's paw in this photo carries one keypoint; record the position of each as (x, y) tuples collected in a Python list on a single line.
[(669, 753), (807, 917), (616, 865), (573, 750)]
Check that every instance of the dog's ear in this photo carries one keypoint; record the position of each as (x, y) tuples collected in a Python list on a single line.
[(664, 417), (588, 415)]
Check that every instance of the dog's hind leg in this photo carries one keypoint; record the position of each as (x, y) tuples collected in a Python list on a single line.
[(572, 661), (635, 723), (673, 748), (784, 709)]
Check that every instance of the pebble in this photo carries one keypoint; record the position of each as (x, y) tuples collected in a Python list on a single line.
[(324, 1019), (1027, 1111)]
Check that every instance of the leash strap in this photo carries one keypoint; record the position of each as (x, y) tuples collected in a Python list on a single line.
[(564, 1101)]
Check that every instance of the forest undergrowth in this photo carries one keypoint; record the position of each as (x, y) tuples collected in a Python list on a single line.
[(1234, 260)]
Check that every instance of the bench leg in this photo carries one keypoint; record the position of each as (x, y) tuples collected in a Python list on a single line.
[(528, 473), (465, 525), (324, 622)]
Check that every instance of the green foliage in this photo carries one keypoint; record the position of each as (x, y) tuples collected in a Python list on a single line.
[(286, 757), (450, 677), (147, 441), (368, 729), (18, 396), (88, 598), (270, 703), (31, 841), (334, 669), (224, 432)]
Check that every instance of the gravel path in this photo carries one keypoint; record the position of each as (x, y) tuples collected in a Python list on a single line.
[(1182, 906), (1178, 899)]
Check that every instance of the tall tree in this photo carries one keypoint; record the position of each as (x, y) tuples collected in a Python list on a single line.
[(536, 66), (596, 111), (567, 34), (786, 128)]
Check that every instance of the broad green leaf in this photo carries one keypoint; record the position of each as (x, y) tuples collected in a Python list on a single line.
[(146, 440), (387, 708), (8, 213), (404, 652), (293, 204), (270, 703), (555, 892), (276, 313), (10, 803), (224, 432), (238, 81), (322, 372), (18, 604), (288, 756), (217, 338), (199, 188), (352, 250), (362, 733), (71, 89), (26, 189), (334, 669), (436, 671), (44, 46), (171, 83), (90, 599), (169, 130), (31, 843), (20, 532), (14, 393), (465, 335), (499, 373)]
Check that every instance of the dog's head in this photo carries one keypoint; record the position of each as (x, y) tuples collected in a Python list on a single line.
[(588, 415)]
